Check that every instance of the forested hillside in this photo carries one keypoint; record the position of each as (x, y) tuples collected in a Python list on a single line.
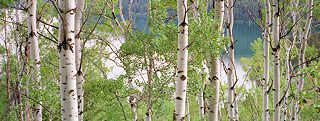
[(161, 60)]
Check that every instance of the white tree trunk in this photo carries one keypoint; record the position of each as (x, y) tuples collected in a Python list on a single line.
[(67, 66), (133, 108), (200, 96), (200, 105), (79, 77), (287, 74), (214, 66), (276, 60), (265, 108), (132, 101), (187, 110), (288, 47), (149, 61), (213, 89), (181, 79), (32, 38), (17, 37), (231, 66), (303, 42)]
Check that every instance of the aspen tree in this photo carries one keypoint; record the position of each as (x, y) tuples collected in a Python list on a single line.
[(276, 60), (181, 79), (232, 108), (200, 96), (267, 29), (214, 65), (287, 62), (79, 76), (33, 39), (301, 61), (67, 66)]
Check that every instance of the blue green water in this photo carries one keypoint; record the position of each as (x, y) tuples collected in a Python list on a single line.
[(243, 33)]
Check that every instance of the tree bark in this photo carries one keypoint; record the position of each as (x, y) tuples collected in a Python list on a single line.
[(303, 43), (6, 44), (276, 60), (265, 100), (33, 39), (149, 75), (200, 96), (287, 63), (287, 75), (231, 66), (213, 90), (181, 79), (17, 37), (133, 108), (79, 77), (214, 65), (187, 109), (67, 66)]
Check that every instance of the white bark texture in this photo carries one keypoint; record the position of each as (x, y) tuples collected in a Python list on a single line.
[(287, 63), (132, 101), (213, 89), (287, 75), (232, 102), (214, 66), (79, 77), (303, 43), (150, 64), (17, 37), (200, 105), (276, 60), (200, 96), (181, 79), (133, 108), (67, 66), (187, 110), (33, 40), (265, 108)]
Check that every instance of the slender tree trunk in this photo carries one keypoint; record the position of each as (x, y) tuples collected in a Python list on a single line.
[(296, 35), (214, 65), (200, 105), (181, 79), (6, 44), (230, 96), (132, 101), (213, 89), (288, 47), (67, 66), (200, 96), (149, 75), (231, 69), (287, 74), (33, 39), (194, 8), (276, 60), (133, 108), (17, 38), (265, 108), (303, 42), (187, 109), (214, 86), (79, 77)]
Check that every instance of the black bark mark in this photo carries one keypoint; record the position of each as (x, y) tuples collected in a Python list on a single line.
[(183, 77), (178, 98)]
